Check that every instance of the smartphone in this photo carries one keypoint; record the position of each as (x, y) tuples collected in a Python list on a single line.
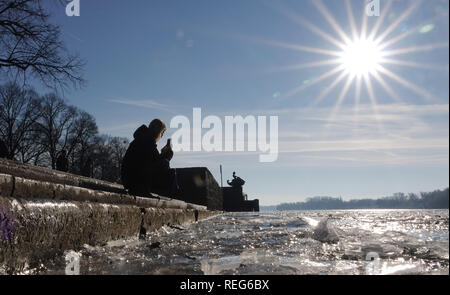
[(169, 143)]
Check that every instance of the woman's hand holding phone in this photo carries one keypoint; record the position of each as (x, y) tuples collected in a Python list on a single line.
[(167, 151)]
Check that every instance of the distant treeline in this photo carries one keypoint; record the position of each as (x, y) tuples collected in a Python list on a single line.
[(437, 199), (36, 129)]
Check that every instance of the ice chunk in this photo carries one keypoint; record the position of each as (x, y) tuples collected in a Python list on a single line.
[(325, 233), (216, 266)]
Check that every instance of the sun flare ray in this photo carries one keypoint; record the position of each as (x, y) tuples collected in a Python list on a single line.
[(302, 48), (325, 92), (331, 20), (413, 64), (319, 79), (405, 34), (425, 94), (357, 91), (341, 97), (386, 87), (414, 49), (351, 19), (399, 20), (373, 102), (365, 19), (380, 20), (327, 62), (313, 28), (357, 98)]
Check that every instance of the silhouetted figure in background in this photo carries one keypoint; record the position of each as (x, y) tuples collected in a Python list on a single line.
[(144, 169), (3, 150), (87, 167), (62, 163), (236, 182)]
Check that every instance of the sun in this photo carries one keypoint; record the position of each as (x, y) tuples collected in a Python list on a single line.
[(361, 57)]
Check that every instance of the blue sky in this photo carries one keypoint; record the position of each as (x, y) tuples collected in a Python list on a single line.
[(148, 59)]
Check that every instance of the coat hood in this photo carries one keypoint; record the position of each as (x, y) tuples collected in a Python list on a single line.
[(141, 132)]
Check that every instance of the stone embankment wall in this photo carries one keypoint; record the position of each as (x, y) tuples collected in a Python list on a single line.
[(44, 212), (199, 187)]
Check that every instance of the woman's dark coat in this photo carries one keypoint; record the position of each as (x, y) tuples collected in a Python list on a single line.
[(143, 166)]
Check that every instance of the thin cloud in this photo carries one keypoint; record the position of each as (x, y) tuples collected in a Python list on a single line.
[(363, 110), (386, 111), (413, 134), (364, 145), (120, 127), (147, 103)]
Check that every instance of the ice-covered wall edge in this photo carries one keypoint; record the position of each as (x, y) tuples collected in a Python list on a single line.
[(39, 220)]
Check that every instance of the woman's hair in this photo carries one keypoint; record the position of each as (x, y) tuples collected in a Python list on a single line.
[(156, 127)]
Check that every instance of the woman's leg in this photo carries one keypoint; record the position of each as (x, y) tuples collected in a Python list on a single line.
[(165, 180)]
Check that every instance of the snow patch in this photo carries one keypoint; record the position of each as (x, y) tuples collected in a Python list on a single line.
[(50, 205)]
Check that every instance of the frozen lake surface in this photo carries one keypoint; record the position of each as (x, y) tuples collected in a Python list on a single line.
[(289, 242)]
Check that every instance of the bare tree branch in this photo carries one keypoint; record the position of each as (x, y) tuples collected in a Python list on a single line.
[(31, 46), (19, 111)]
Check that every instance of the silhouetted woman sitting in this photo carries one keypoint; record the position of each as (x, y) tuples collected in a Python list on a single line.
[(144, 169)]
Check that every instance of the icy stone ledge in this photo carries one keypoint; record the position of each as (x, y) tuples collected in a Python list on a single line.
[(40, 219)]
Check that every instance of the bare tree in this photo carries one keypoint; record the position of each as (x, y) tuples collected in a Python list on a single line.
[(55, 125), (31, 46), (30, 150), (117, 147), (107, 154), (101, 157), (82, 138), (19, 111)]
